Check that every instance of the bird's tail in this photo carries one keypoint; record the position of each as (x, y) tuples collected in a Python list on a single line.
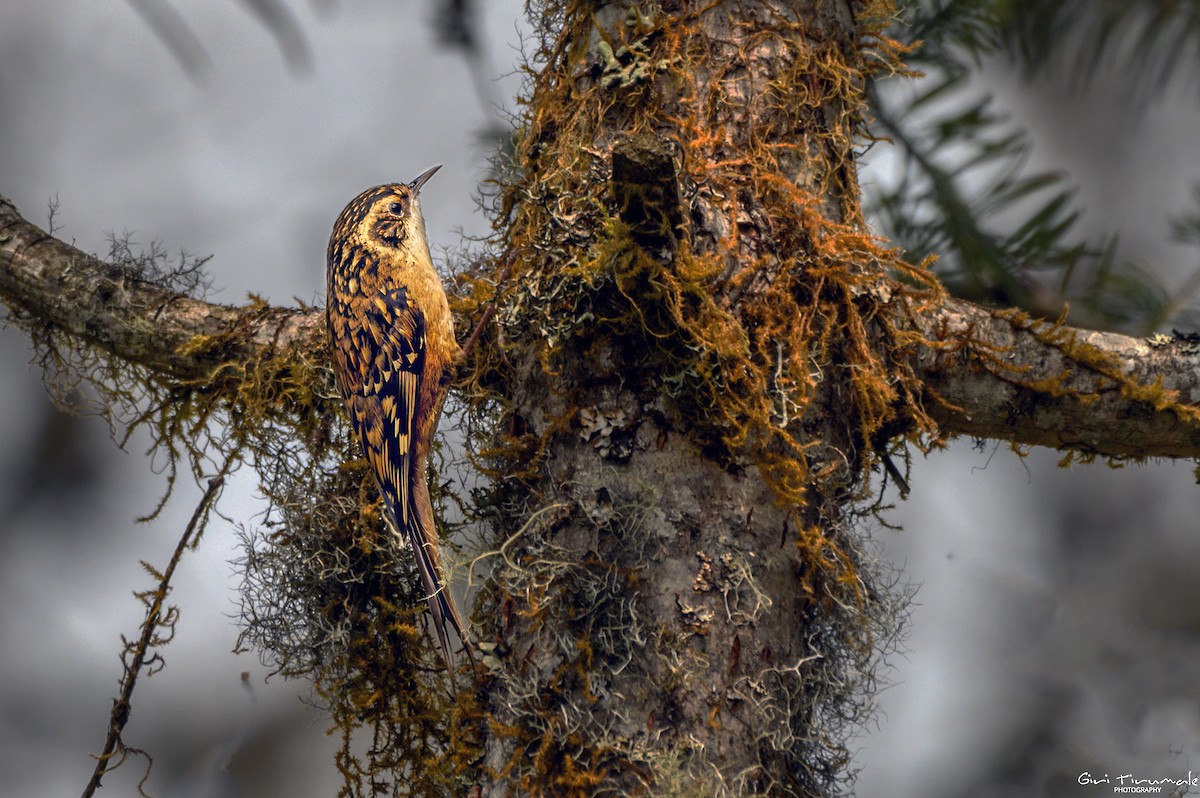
[(441, 604), (421, 537)]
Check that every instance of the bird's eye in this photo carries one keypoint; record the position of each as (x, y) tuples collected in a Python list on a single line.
[(396, 208)]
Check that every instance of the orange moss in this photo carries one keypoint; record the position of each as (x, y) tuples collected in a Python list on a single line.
[(745, 341)]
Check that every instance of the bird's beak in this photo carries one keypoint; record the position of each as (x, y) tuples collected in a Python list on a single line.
[(423, 178)]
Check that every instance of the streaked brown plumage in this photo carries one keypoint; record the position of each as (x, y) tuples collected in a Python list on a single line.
[(393, 347)]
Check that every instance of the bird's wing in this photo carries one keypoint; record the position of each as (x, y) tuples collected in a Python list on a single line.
[(384, 406)]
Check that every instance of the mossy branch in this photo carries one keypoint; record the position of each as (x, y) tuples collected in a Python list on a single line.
[(187, 339), (177, 336), (1005, 375)]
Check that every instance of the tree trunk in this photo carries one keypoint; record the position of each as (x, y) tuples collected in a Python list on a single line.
[(695, 361)]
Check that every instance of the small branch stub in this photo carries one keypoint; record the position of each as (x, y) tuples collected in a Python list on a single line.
[(646, 191)]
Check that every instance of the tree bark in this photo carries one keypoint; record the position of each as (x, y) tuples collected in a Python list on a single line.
[(1028, 382)]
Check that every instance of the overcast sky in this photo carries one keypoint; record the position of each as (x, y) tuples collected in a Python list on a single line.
[(1051, 602)]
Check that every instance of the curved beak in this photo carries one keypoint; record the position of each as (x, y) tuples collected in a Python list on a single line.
[(422, 179)]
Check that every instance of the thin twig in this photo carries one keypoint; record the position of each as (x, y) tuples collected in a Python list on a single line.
[(154, 618), (490, 310)]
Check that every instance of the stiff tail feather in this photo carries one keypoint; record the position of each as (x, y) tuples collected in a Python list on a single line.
[(441, 603)]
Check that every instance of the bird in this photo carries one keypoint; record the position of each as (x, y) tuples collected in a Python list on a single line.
[(394, 353)]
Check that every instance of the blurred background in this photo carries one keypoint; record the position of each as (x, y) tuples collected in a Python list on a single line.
[(1056, 625)]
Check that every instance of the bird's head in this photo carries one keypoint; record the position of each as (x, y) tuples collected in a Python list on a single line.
[(387, 216)]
